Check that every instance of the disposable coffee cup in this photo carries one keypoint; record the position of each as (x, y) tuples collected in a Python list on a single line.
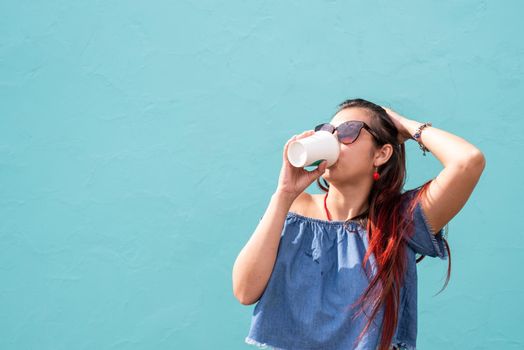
[(312, 150)]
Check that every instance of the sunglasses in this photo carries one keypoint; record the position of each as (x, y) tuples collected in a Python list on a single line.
[(349, 131)]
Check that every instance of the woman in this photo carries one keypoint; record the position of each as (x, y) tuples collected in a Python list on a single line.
[(338, 270)]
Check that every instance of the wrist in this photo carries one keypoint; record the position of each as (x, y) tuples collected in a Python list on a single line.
[(415, 130), (285, 197), (411, 127)]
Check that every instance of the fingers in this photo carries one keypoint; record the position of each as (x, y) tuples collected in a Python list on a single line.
[(321, 169)]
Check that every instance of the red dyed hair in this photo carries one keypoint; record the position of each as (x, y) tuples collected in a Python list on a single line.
[(386, 224)]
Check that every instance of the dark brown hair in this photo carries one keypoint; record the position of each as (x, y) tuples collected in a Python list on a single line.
[(386, 225)]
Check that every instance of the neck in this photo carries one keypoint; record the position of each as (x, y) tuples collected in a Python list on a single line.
[(347, 202)]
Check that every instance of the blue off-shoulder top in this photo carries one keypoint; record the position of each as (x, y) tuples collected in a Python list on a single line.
[(318, 274)]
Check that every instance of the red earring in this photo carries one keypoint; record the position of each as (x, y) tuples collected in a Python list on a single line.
[(376, 175)]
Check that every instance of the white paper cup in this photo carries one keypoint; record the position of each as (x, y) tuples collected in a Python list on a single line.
[(312, 150)]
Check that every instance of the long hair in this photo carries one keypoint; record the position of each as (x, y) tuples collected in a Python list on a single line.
[(386, 224)]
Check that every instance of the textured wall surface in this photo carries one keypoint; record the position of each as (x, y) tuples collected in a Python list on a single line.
[(141, 142)]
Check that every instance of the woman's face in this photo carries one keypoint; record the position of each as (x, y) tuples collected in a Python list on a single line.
[(356, 159)]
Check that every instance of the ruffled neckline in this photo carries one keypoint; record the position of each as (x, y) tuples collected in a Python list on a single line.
[(325, 222)]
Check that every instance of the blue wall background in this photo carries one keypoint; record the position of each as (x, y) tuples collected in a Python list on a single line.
[(141, 142)]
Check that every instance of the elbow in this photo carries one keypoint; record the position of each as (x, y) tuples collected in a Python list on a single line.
[(247, 302), (238, 296), (242, 299), (474, 161), (243, 290), (241, 295), (477, 160)]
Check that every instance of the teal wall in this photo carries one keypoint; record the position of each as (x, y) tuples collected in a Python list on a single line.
[(141, 142)]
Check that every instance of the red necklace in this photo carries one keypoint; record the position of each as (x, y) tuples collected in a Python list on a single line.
[(325, 207)]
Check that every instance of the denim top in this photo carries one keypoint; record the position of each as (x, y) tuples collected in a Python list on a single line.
[(318, 274)]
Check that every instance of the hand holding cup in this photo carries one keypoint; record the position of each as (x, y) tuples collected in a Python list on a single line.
[(294, 180)]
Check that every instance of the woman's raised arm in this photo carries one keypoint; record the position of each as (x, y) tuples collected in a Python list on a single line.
[(463, 165)]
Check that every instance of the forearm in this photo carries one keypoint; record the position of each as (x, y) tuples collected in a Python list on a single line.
[(448, 148), (254, 264)]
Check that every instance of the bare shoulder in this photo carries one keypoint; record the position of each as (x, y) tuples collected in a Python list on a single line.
[(302, 203), (308, 205)]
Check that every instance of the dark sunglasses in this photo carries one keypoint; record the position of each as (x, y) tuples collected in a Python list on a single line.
[(349, 131)]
